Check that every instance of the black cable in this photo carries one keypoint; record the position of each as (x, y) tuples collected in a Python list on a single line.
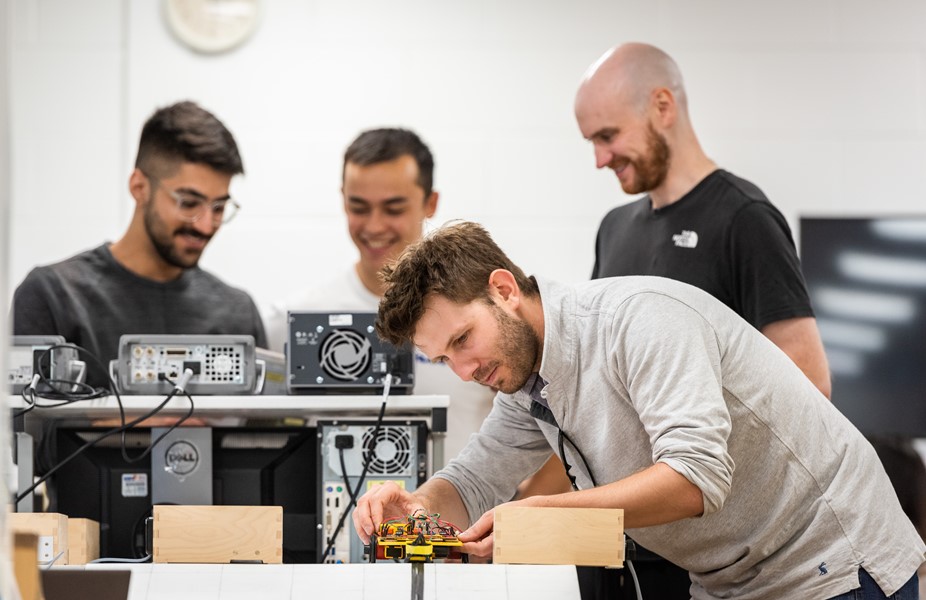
[(151, 445), (60, 398), (363, 474), (366, 466), (51, 392), (350, 492), (120, 429), (48, 388), (30, 401), (629, 548), (45, 388), (562, 456)]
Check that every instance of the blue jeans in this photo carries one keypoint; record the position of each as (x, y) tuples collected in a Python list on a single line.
[(871, 591)]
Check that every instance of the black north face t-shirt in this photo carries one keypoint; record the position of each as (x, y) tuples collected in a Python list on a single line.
[(724, 237)]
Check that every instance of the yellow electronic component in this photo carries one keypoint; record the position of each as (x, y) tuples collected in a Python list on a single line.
[(418, 538)]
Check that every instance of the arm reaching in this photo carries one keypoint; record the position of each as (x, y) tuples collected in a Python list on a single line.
[(653, 496)]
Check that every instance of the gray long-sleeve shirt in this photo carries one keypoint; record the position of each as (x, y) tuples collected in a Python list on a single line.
[(643, 370)]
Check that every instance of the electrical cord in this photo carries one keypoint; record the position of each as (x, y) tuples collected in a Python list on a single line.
[(57, 389), (47, 564), (636, 582), (30, 399), (562, 457), (178, 389), (143, 559), (60, 398), (350, 492), (61, 391), (387, 383), (122, 428)]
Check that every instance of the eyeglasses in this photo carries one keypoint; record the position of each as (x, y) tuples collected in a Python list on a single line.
[(190, 207)]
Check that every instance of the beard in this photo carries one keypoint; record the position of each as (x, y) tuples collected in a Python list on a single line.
[(162, 239), (651, 169), (517, 343)]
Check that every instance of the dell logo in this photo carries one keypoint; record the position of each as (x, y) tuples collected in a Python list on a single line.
[(181, 458)]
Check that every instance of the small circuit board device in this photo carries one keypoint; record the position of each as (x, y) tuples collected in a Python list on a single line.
[(417, 538)]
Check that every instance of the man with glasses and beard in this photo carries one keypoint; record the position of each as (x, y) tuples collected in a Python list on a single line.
[(148, 281)]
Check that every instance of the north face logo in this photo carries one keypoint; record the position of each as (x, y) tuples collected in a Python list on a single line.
[(686, 239)]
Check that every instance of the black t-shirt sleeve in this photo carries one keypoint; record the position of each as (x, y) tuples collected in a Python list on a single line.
[(766, 271)]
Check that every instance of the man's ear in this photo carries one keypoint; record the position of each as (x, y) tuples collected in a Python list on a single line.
[(503, 285), (430, 204), (666, 106), (139, 186)]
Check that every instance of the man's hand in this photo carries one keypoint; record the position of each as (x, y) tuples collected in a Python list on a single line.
[(479, 540), (388, 499)]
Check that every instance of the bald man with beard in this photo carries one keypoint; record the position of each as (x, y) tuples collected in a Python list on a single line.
[(695, 222)]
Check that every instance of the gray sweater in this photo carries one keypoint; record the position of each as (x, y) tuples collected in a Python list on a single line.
[(643, 370)]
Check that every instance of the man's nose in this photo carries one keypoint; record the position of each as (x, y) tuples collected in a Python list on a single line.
[(464, 369), (376, 221), (603, 157), (205, 224)]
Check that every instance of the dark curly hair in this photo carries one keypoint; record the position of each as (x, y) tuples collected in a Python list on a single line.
[(455, 262)]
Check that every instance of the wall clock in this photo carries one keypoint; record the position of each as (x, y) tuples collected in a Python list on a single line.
[(212, 26)]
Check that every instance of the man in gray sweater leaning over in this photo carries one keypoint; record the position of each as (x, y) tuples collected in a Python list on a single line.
[(724, 456)]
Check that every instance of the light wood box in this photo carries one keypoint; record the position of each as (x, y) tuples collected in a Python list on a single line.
[(83, 541), (25, 567), (592, 537), (218, 534), (44, 525)]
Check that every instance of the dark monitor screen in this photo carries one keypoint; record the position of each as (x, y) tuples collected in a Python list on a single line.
[(250, 466), (867, 281)]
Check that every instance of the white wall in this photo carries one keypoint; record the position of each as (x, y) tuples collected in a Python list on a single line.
[(7, 587), (820, 103)]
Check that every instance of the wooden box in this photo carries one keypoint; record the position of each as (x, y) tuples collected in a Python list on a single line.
[(25, 568), (218, 534), (559, 536), (50, 527), (83, 541)]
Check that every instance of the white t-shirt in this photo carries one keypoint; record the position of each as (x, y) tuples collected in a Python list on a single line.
[(469, 401)]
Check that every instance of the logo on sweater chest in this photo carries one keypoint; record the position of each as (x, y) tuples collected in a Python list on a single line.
[(685, 239)]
